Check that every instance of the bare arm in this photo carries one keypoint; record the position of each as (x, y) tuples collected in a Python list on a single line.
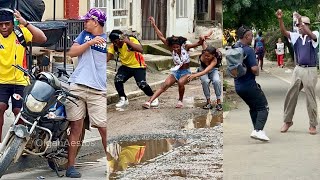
[(135, 47), (309, 32), (37, 35), (205, 71), (281, 24), (204, 45), (204, 37), (264, 45), (158, 32), (255, 70), (109, 57), (199, 43), (77, 49)]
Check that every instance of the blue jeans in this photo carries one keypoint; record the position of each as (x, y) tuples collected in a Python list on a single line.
[(212, 76)]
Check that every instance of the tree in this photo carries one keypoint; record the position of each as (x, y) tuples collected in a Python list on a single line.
[(260, 13)]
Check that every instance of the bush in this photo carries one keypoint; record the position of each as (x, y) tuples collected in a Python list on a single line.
[(271, 38)]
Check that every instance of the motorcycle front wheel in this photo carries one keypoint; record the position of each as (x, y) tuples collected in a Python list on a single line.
[(9, 153), (62, 163)]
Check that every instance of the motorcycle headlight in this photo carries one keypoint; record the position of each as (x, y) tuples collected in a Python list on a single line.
[(34, 105)]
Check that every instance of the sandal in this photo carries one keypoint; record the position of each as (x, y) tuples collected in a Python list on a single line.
[(207, 106), (146, 105), (179, 104), (72, 172), (219, 107)]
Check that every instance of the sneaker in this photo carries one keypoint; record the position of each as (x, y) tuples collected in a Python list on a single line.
[(207, 106), (219, 107), (72, 172), (146, 105), (155, 103), (122, 102), (260, 135), (253, 134)]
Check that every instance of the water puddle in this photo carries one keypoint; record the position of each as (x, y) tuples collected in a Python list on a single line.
[(211, 119), (122, 155)]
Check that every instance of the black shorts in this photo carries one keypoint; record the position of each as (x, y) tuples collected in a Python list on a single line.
[(7, 90)]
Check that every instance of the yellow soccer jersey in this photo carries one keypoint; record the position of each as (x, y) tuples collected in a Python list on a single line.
[(13, 53), (129, 58)]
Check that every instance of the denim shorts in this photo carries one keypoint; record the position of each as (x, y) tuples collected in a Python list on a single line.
[(181, 72)]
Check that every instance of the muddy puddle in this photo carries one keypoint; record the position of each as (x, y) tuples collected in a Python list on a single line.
[(122, 155), (211, 119)]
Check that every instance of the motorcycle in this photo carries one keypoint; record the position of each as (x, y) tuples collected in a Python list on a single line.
[(44, 129)]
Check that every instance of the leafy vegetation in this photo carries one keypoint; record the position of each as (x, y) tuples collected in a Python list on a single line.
[(261, 15)]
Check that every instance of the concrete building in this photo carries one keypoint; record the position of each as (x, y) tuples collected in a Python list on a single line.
[(173, 17)]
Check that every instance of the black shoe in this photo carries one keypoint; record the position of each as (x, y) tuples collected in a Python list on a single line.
[(219, 107), (207, 106)]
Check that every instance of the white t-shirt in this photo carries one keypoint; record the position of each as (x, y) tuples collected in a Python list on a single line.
[(91, 69), (280, 49)]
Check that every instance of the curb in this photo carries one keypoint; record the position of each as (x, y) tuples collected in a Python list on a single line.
[(90, 146), (113, 98)]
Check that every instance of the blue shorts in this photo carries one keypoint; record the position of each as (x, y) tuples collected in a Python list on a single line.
[(181, 72)]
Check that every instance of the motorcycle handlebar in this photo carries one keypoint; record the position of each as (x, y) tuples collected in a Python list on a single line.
[(25, 71)]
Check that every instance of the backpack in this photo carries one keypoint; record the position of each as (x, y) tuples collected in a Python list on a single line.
[(18, 32), (235, 66), (259, 44), (129, 47), (219, 59)]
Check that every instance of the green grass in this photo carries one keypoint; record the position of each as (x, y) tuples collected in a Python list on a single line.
[(226, 106)]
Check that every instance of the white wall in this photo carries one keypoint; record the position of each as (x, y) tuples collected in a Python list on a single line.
[(171, 17), (185, 25), (83, 7), (48, 12), (179, 26), (137, 16)]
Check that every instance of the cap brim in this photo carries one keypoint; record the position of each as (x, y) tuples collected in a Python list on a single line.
[(84, 18)]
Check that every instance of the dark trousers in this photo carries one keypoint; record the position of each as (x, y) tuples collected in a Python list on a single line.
[(254, 97), (124, 73)]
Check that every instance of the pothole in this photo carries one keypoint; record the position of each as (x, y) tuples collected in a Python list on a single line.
[(211, 119), (122, 155)]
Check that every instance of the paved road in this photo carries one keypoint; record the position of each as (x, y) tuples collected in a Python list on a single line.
[(94, 170), (92, 145), (293, 155)]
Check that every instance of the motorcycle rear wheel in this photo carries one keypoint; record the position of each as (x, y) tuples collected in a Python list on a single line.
[(9, 153)]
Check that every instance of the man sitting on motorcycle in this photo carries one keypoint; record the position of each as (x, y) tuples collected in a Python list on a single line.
[(89, 82), (12, 52)]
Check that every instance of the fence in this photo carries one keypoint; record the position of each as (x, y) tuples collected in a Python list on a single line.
[(74, 28)]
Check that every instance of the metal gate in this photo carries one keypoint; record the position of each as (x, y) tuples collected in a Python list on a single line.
[(157, 9)]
